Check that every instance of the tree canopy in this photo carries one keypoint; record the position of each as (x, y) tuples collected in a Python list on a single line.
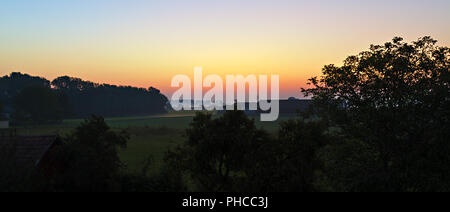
[(219, 152), (392, 106), (88, 160)]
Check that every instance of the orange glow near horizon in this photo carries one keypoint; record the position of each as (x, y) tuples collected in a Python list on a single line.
[(146, 43)]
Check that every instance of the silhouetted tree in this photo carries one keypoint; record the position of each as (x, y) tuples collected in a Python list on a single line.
[(89, 160), (10, 86), (219, 152), (391, 105)]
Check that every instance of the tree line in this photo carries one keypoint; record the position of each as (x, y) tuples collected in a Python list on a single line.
[(35, 100)]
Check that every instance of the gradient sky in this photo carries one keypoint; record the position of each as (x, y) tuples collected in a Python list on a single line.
[(147, 42)]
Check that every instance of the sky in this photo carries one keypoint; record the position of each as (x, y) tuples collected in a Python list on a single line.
[(147, 42)]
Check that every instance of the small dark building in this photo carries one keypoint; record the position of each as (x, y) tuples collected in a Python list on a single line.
[(28, 151)]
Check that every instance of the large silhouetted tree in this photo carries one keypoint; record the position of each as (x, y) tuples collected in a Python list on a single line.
[(392, 107)]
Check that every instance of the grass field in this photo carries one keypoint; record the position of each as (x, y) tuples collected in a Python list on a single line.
[(151, 136)]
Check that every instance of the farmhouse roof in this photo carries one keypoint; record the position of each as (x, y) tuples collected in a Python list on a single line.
[(28, 150)]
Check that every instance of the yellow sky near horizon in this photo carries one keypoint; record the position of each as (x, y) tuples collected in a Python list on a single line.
[(146, 43)]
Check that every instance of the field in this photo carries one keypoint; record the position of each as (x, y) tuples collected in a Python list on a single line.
[(151, 136)]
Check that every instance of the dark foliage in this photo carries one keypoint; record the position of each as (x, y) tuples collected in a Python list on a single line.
[(38, 105), (88, 160), (230, 154), (87, 98), (299, 143), (219, 152), (10, 86), (392, 106)]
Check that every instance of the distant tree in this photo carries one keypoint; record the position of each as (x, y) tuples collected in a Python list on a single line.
[(391, 105), (86, 98), (71, 83), (10, 86), (36, 105), (89, 160)]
